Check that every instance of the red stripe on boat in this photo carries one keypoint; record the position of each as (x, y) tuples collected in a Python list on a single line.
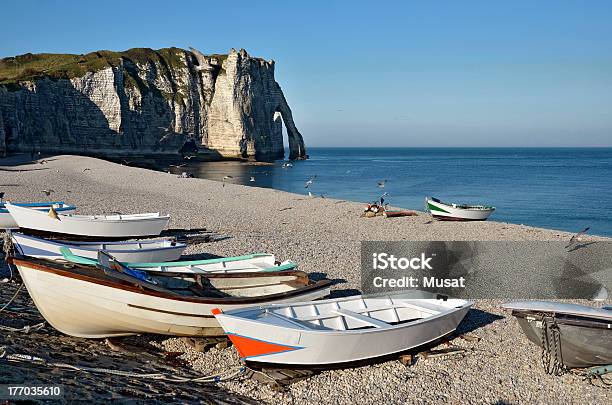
[(248, 347)]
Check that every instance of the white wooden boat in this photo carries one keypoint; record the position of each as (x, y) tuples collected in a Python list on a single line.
[(341, 331), (101, 226), (7, 221), (91, 302), (584, 333), (148, 250), (255, 262), (457, 212)]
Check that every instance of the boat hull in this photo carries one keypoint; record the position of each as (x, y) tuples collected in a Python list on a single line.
[(136, 251), (82, 308), (126, 226), (448, 212), (267, 344), (8, 222), (581, 345)]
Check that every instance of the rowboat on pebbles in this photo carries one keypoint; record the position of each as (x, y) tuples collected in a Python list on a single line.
[(100, 226), (7, 221), (341, 331), (147, 250), (457, 212), (256, 262), (114, 300)]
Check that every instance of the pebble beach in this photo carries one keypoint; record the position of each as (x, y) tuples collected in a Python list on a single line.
[(323, 236)]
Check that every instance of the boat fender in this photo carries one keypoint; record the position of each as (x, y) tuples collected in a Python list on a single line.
[(216, 311)]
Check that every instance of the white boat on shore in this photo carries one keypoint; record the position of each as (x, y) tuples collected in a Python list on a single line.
[(100, 226), (340, 331), (457, 212), (255, 262), (90, 302), (148, 250), (7, 221)]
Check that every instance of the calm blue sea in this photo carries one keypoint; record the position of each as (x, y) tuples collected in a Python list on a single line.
[(561, 188)]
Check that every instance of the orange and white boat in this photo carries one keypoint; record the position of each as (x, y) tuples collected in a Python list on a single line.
[(341, 331)]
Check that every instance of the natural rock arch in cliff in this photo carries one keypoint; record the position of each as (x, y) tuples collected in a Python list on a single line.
[(297, 149)]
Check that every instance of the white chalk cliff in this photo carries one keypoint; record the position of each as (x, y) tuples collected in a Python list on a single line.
[(145, 102)]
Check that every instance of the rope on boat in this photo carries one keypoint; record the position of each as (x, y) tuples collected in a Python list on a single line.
[(26, 358), (7, 249), (552, 356)]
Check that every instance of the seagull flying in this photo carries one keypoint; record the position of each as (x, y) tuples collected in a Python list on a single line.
[(86, 169), (179, 166), (252, 178), (577, 238), (382, 183), (310, 180)]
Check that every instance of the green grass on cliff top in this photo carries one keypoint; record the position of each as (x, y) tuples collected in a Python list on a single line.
[(66, 66)]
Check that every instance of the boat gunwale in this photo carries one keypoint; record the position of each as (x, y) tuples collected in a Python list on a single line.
[(83, 245), (327, 332), (568, 319), (145, 216), (38, 207), (49, 266)]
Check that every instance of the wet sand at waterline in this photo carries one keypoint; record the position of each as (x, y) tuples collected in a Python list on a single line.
[(323, 235)]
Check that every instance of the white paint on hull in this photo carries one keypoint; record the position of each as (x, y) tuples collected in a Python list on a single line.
[(161, 250), (85, 309), (324, 334), (110, 226)]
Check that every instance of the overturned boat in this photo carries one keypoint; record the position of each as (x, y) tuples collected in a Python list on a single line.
[(457, 212), (148, 250), (7, 221), (576, 336), (341, 331), (89, 302), (100, 226)]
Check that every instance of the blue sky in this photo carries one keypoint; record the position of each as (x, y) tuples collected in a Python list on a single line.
[(428, 73)]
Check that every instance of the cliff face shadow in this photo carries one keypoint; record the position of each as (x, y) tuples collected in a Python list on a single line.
[(61, 118)]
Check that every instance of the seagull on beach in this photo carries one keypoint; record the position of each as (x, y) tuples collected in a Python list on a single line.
[(48, 192), (577, 238), (227, 178), (382, 198), (310, 181), (381, 183), (42, 162)]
